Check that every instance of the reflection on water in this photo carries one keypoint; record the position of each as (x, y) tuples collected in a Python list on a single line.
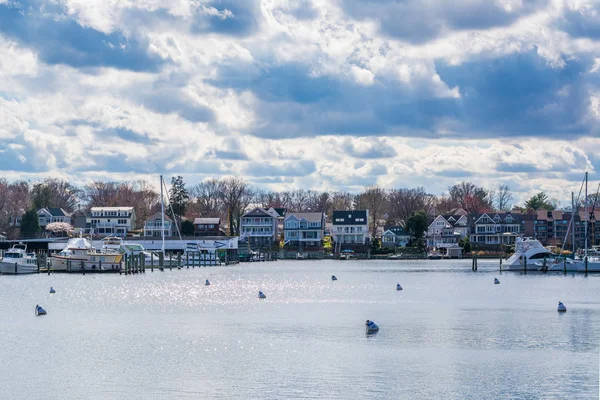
[(450, 333)]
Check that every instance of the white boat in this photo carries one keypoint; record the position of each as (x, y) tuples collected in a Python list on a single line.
[(528, 252), (114, 244), (434, 255), (16, 261), (79, 255)]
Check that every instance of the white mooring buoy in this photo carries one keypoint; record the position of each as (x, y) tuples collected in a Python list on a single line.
[(52, 290)]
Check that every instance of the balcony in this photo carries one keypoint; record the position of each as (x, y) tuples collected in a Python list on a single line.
[(157, 225)]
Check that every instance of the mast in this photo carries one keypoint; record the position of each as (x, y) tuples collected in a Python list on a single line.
[(162, 215), (573, 223), (587, 217)]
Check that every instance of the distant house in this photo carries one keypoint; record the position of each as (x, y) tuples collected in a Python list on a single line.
[(394, 236), (351, 226), (152, 226), (115, 221), (495, 228), (207, 227), (447, 230), (304, 230), (260, 227), (48, 215)]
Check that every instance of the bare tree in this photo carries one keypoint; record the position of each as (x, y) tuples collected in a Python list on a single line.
[(405, 202), (503, 198), (373, 199), (236, 195), (341, 201), (470, 197), (55, 193), (207, 196)]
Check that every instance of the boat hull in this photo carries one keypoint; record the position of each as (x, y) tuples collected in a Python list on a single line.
[(8, 268), (107, 263)]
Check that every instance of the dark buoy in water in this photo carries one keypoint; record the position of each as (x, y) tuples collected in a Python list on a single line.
[(371, 327), (39, 310), (496, 281), (261, 295), (333, 278), (561, 307), (52, 290), (207, 283), (398, 287)]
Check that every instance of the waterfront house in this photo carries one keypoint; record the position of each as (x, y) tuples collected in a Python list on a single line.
[(152, 226), (447, 230), (207, 227), (115, 221), (48, 215), (304, 230), (351, 227), (495, 228), (260, 227), (395, 236)]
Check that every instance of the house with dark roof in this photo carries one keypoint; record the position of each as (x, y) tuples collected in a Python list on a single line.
[(351, 227), (447, 230), (394, 236), (48, 215), (304, 230), (495, 228), (207, 226), (260, 227)]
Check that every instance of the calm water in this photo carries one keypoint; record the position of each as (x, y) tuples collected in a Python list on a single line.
[(449, 334)]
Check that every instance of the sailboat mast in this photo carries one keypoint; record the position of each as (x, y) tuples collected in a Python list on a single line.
[(162, 215), (573, 223), (586, 215)]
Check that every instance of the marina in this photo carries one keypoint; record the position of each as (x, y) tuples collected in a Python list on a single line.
[(450, 333)]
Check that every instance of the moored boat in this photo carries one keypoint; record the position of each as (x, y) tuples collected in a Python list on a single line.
[(79, 255), (528, 252), (17, 261)]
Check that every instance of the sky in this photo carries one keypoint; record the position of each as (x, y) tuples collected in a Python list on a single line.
[(303, 94)]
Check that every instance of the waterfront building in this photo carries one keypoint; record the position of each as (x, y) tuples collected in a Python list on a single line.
[(260, 227), (351, 227), (207, 227), (48, 215), (394, 236), (447, 230), (304, 230), (116, 221), (495, 228), (152, 226)]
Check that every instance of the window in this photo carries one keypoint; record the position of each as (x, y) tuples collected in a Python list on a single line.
[(339, 220), (360, 220)]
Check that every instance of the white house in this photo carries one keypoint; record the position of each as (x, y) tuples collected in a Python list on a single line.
[(495, 228), (111, 220), (351, 226), (48, 215), (304, 229), (152, 226), (259, 226), (447, 230)]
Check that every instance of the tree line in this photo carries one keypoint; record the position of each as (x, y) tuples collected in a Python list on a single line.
[(230, 198)]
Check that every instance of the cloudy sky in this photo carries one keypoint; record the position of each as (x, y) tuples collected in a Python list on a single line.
[(313, 94)]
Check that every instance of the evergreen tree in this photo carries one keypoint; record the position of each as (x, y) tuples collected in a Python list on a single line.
[(187, 228), (179, 198), (30, 224)]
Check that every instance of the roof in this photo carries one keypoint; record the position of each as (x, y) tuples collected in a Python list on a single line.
[(261, 212), (111, 209), (280, 211), (396, 230), (215, 221), (502, 215), (158, 215), (351, 217), (309, 216), (57, 212)]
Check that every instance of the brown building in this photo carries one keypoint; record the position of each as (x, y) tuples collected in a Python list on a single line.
[(207, 227)]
